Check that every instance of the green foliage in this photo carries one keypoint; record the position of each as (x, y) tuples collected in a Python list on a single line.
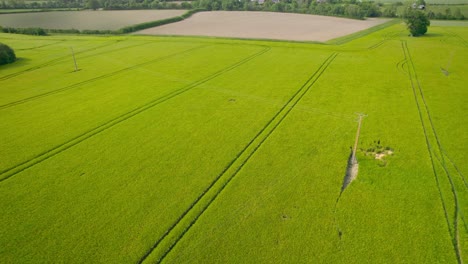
[(142, 26), (7, 54), (93, 4), (416, 22), (25, 31)]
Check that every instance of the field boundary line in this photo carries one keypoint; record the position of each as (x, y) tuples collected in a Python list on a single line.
[(416, 87), (25, 100), (189, 217), (10, 172)]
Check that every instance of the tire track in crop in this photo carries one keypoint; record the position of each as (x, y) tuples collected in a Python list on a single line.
[(10, 172), (456, 36), (189, 217), (61, 58), (456, 168), (461, 212), (76, 85), (386, 37), (42, 46), (429, 128), (401, 66)]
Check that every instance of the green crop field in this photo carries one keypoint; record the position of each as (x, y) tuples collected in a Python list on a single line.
[(210, 150)]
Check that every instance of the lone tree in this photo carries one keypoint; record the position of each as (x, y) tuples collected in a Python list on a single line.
[(416, 21), (7, 55)]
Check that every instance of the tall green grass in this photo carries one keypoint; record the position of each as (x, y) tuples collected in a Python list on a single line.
[(200, 150)]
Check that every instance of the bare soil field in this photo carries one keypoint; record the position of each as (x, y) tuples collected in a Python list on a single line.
[(100, 20), (264, 25)]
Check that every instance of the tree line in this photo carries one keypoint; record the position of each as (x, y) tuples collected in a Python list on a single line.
[(343, 8)]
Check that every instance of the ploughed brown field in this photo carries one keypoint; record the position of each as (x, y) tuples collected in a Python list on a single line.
[(264, 25)]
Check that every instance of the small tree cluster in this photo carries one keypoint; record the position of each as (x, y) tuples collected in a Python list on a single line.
[(7, 55), (416, 21)]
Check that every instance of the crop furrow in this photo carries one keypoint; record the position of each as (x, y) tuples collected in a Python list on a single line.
[(10, 172), (189, 217), (425, 114), (96, 78)]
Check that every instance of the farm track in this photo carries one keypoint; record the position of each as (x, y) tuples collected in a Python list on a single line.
[(76, 85), (59, 59), (10, 172), (431, 135), (189, 217)]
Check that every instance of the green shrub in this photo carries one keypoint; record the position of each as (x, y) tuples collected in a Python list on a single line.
[(417, 22), (7, 54)]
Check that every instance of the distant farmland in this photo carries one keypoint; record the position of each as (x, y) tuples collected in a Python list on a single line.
[(264, 25), (98, 20), (202, 150)]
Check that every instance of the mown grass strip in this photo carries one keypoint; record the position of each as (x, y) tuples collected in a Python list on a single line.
[(10, 172), (362, 33), (98, 78), (429, 128), (188, 218)]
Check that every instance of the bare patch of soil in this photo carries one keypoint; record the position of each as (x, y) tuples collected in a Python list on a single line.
[(264, 25), (378, 152)]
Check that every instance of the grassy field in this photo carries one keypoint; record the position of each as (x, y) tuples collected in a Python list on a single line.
[(196, 150)]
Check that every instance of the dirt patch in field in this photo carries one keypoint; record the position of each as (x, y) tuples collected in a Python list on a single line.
[(264, 25)]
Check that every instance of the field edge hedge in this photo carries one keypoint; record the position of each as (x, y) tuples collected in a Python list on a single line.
[(157, 23)]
